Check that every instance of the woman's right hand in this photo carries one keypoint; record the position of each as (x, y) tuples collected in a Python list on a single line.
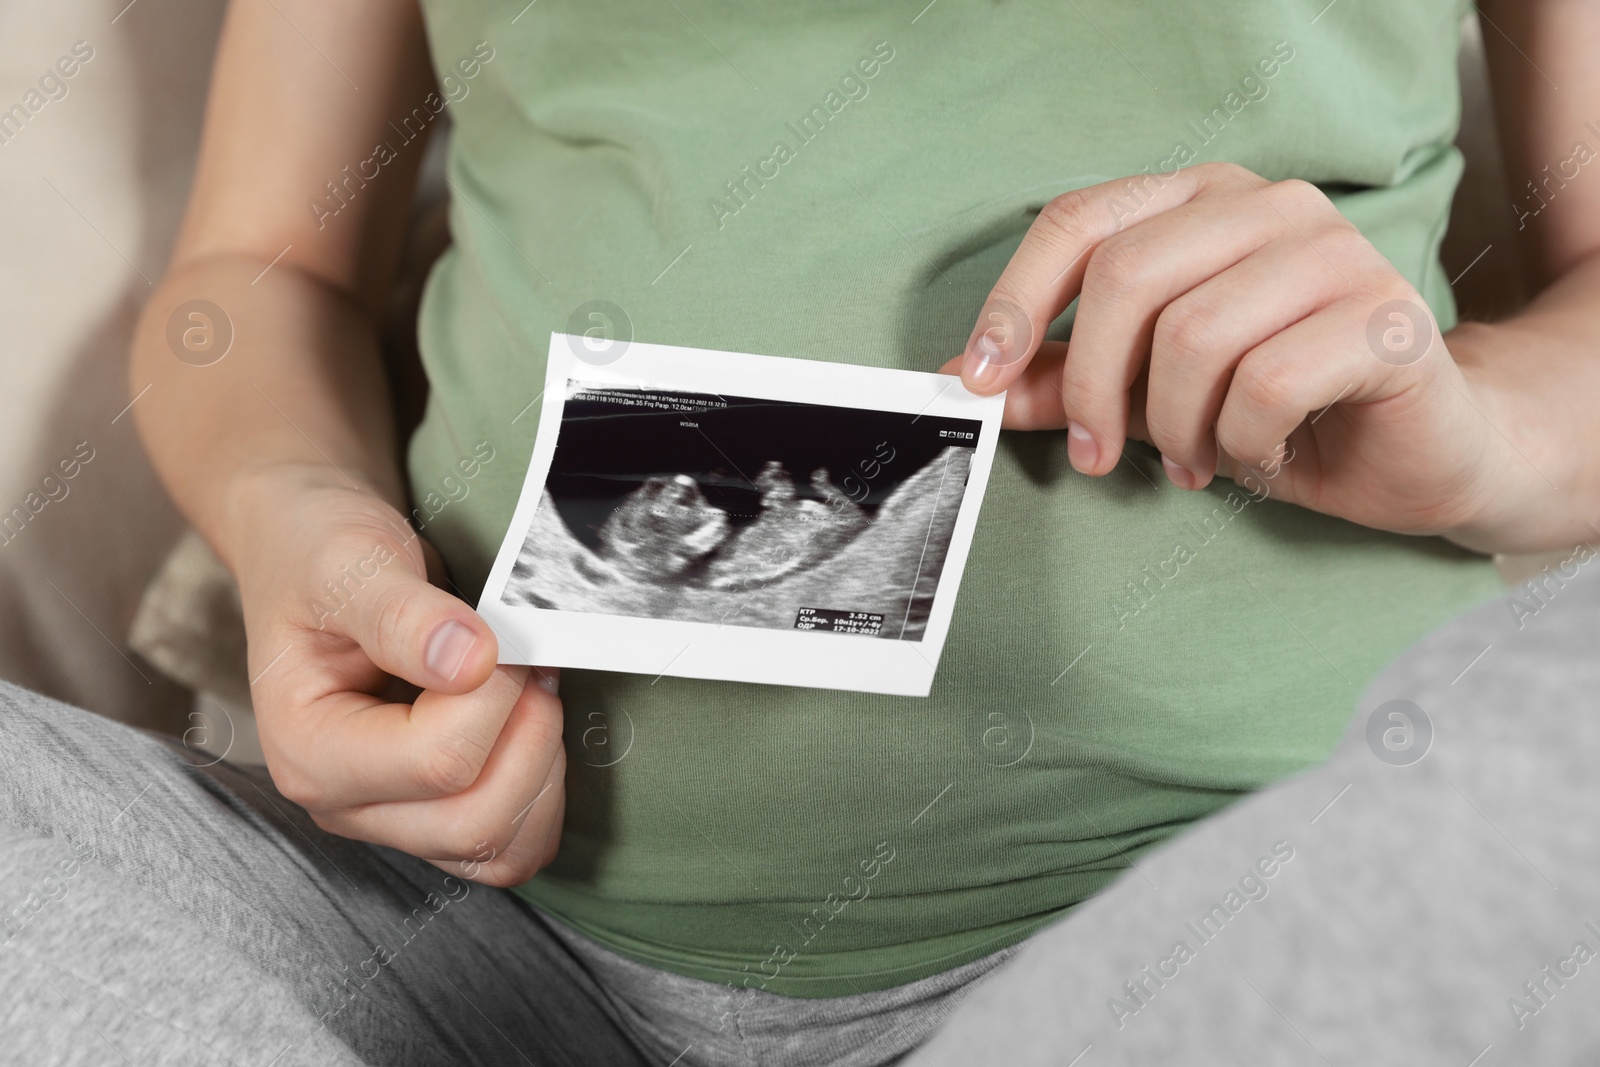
[(340, 613)]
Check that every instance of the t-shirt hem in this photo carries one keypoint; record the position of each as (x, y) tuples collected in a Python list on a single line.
[(861, 971)]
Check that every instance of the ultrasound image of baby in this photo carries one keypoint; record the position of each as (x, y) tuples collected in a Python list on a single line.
[(663, 530), (667, 552)]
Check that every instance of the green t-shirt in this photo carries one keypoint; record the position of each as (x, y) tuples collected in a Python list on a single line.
[(845, 181)]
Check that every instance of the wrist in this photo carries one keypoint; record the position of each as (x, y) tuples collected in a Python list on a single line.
[(254, 505), (1519, 468)]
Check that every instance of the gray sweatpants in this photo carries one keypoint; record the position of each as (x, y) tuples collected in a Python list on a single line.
[(156, 909), (1431, 895)]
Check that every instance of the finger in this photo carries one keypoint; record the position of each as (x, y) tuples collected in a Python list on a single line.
[(533, 848), (1128, 281), (486, 817), (416, 631), (1033, 402), (351, 749), (1201, 336), (1296, 374), (1046, 271)]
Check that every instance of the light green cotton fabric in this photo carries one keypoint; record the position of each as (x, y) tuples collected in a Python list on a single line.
[(1125, 658)]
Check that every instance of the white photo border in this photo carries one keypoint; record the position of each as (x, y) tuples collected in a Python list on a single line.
[(725, 652)]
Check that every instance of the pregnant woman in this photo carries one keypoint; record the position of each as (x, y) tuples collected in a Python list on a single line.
[(1250, 458)]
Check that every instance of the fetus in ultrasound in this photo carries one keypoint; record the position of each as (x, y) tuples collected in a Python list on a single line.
[(663, 529), (668, 552)]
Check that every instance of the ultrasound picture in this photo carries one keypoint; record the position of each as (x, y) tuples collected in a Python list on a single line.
[(745, 512)]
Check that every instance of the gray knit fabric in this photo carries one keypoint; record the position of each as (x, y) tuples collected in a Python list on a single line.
[(1441, 906), (157, 911)]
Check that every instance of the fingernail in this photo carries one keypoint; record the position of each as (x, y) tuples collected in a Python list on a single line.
[(448, 648), (983, 360), (1181, 477), (548, 679), (1081, 448)]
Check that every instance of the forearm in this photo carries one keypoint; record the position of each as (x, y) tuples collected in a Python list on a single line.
[(301, 387), (1534, 379)]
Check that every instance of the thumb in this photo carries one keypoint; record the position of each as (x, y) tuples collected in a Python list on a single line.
[(419, 632)]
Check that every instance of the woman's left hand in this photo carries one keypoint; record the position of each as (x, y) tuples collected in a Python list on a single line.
[(1241, 327)]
